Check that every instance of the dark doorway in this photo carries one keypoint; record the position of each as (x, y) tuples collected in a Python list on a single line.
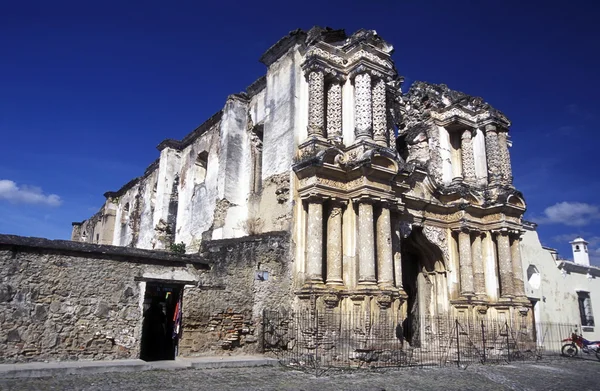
[(410, 273), (422, 267), (161, 326)]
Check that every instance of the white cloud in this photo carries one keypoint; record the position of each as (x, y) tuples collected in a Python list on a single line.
[(24, 194), (592, 239), (575, 214)]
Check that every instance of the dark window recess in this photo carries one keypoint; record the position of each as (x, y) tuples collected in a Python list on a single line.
[(585, 309)]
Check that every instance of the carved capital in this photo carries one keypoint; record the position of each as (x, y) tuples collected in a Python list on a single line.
[(482, 309), (331, 300), (384, 301), (490, 128)]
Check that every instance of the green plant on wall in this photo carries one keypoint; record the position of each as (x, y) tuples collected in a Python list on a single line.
[(178, 248)]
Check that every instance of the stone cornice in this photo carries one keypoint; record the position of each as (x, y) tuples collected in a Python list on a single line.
[(580, 269), (22, 243), (283, 46), (193, 135), (149, 170)]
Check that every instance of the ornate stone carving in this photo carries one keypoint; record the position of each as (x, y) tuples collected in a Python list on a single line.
[(379, 117), (371, 57), (316, 90), (492, 151), (331, 300), (334, 112), (468, 157), (438, 237), (505, 167), (482, 309), (318, 52), (384, 301), (362, 106)]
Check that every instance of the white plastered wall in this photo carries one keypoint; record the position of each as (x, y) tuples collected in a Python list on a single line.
[(557, 293)]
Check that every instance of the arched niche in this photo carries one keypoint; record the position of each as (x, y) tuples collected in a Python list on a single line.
[(384, 162), (424, 280), (515, 200), (533, 277)]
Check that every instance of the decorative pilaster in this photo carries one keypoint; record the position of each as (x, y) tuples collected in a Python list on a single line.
[(362, 107), (316, 103), (492, 152), (505, 266), (465, 263), (478, 267), (505, 168), (517, 266), (334, 245), (314, 242), (366, 244), (468, 157), (379, 117), (385, 262), (334, 112)]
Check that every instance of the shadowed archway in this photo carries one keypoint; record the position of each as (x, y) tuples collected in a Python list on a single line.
[(424, 280)]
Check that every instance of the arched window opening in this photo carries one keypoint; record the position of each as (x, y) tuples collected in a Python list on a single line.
[(533, 277), (125, 214), (456, 154), (256, 138), (576, 247), (200, 167)]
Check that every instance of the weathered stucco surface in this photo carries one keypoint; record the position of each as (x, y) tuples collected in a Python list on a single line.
[(556, 295)]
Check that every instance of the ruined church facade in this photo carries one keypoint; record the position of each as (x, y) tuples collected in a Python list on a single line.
[(395, 202)]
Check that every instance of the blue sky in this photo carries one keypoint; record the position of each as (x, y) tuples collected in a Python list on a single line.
[(88, 89)]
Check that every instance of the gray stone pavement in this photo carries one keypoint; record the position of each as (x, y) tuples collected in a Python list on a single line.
[(45, 369), (560, 374)]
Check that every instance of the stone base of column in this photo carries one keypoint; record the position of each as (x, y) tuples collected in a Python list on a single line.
[(387, 286), (506, 299), (313, 145), (361, 146), (309, 289), (335, 283)]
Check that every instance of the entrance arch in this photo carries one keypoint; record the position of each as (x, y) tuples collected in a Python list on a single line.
[(424, 280)]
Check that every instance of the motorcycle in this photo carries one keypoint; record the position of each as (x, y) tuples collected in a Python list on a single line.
[(576, 343)]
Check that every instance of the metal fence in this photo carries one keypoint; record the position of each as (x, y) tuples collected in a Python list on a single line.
[(353, 340)]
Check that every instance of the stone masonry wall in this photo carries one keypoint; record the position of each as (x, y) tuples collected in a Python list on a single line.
[(248, 275), (63, 300)]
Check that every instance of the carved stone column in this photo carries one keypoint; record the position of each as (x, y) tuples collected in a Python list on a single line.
[(401, 230), (492, 152), (385, 261), (362, 107), (366, 244), (468, 157), (465, 263), (505, 266), (478, 267), (316, 103), (379, 115), (505, 168), (334, 245), (314, 242), (517, 266), (334, 112)]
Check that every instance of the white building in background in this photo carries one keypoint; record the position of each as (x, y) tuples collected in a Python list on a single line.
[(561, 291)]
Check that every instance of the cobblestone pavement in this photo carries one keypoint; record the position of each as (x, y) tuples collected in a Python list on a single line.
[(554, 375)]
